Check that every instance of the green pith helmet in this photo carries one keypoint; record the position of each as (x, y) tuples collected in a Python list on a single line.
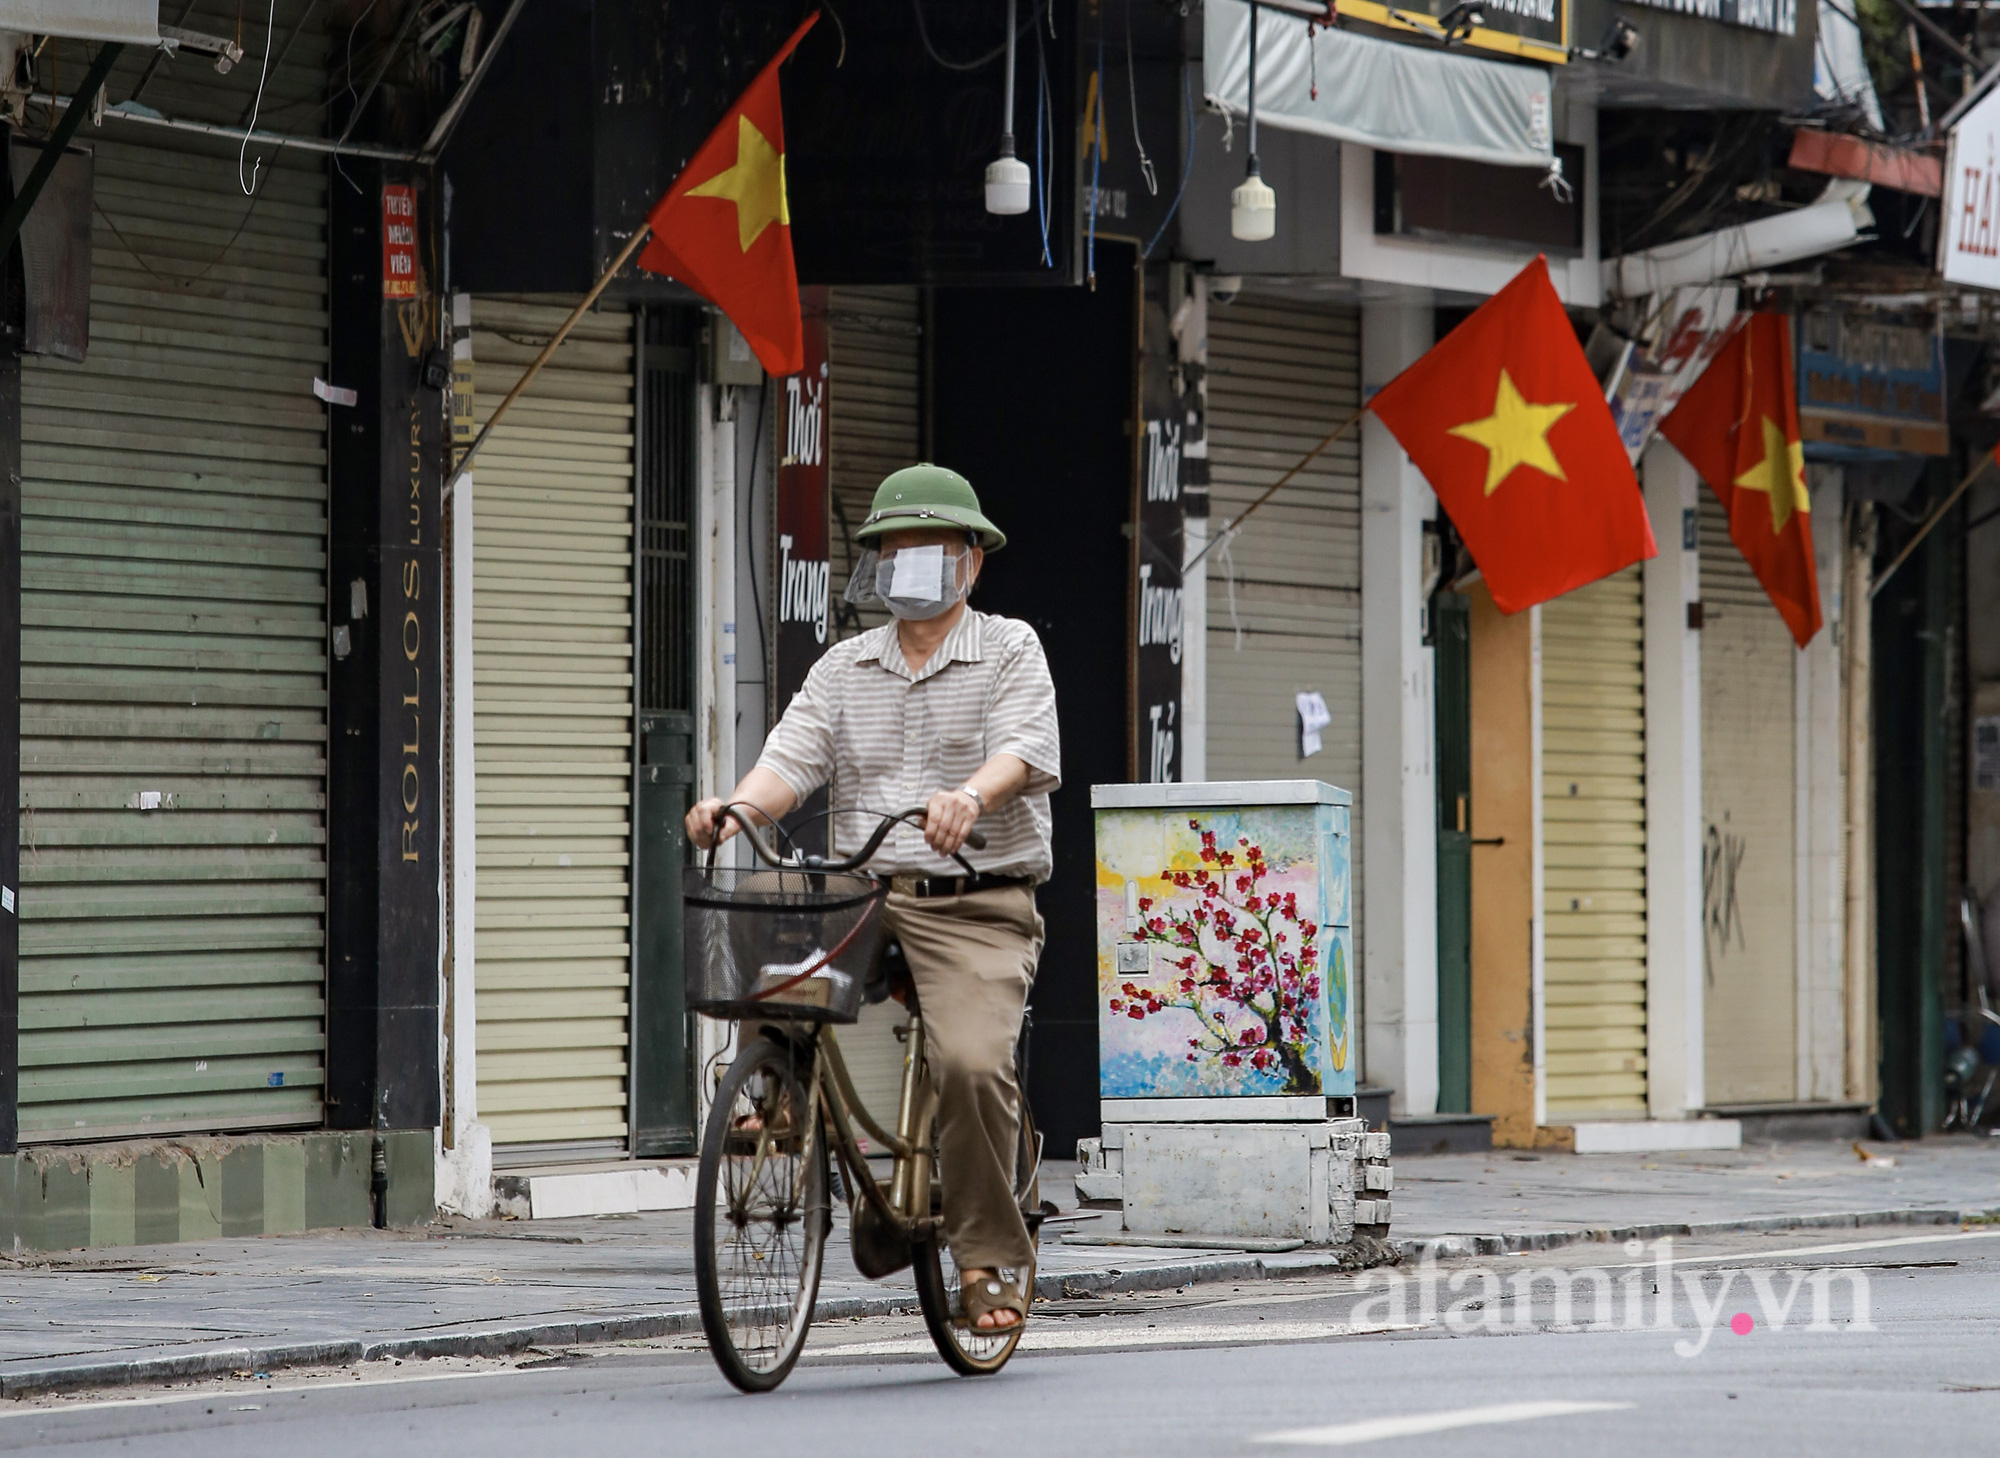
[(928, 496)]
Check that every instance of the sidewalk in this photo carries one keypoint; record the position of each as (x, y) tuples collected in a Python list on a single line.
[(487, 1288), (1504, 1200)]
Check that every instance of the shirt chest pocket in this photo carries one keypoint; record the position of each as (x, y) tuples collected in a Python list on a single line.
[(958, 755)]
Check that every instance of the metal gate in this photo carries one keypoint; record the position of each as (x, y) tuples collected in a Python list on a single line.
[(663, 1111), (1284, 599), (1594, 849), (173, 644), (1749, 738), (552, 731)]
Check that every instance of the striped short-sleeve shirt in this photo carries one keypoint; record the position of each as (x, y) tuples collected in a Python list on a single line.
[(888, 738)]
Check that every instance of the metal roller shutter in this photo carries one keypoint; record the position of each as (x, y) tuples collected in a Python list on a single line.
[(1594, 848), (875, 359), (173, 607), (875, 354), (1749, 878), (1280, 374), (552, 729)]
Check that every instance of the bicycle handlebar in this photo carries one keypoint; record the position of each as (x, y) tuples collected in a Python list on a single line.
[(914, 815)]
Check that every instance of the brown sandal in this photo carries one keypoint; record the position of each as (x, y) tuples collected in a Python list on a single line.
[(990, 1294)]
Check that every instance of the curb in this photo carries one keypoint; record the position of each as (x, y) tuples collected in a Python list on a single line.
[(499, 1341), (1447, 1247)]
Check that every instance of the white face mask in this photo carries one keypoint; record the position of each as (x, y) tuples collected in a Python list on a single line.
[(914, 582)]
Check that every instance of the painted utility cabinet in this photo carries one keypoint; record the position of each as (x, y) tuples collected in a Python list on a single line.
[(1225, 969)]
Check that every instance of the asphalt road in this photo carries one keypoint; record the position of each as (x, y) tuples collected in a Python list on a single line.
[(1881, 1342)]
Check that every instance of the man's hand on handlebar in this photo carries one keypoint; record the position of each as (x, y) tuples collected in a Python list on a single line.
[(762, 794), (948, 819), (701, 823)]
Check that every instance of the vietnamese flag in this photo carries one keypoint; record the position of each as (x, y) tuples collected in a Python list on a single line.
[(1739, 428), (724, 228), (1505, 418)]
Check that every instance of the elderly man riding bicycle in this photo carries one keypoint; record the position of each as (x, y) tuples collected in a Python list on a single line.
[(956, 706)]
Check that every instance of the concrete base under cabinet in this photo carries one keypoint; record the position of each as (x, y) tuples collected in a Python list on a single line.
[(1320, 1183)]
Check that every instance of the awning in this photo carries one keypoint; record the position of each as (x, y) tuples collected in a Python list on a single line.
[(1395, 97), (136, 22)]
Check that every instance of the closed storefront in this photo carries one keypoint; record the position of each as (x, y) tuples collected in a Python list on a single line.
[(875, 356), (552, 732), (875, 360), (1594, 849), (1284, 597), (174, 649), (1749, 739)]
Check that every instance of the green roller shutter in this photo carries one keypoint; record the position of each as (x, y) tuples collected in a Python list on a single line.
[(552, 731), (173, 680)]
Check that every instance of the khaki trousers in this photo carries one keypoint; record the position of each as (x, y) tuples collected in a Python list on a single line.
[(973, 960)]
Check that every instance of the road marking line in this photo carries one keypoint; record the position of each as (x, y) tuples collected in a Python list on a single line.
[(1369, 1430), (167, 1399), (1047, 1337), (1843, 1248)]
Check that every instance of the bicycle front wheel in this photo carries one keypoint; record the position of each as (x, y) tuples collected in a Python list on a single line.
[(761, 1214)]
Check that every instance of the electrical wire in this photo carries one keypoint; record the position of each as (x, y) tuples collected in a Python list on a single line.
[(1187, 166), (270, 36), (1132, 95), (348, 82), (841, 59), (1097, 159), (1042, 109), (184, 280), (750, 503), (924, 34)]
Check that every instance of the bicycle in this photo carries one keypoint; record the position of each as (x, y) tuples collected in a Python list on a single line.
[(785, 1111)]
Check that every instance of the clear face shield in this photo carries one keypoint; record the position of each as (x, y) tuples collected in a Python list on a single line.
[(912, 582)]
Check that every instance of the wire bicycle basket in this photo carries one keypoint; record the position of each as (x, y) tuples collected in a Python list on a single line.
[(789, 944)]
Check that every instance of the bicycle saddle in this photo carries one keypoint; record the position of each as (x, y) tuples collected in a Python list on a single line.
[(889, 976)]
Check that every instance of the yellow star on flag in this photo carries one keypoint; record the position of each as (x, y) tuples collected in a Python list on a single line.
[(1515, 434), (1781, 475), (756, 184)]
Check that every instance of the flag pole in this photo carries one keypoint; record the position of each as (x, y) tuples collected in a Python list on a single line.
[(1932, 520), (1310, 456), (624, 256)]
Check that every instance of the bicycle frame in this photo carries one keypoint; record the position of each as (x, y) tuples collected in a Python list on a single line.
[(906, 1205)]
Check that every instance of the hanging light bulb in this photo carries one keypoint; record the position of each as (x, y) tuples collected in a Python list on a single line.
[(1007, 175), (1253, 207), (1007, 182)]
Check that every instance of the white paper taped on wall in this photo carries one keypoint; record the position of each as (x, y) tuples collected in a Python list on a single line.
[(1986, 753), (1313, 717), (334, 394)]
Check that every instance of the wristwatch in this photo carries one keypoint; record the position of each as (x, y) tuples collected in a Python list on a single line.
[(977, 798)]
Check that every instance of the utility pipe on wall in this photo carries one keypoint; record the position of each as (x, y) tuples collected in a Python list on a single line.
[(1858, 965)]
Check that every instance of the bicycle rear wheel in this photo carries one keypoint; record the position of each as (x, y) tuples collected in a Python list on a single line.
[(760, 1215), (966, 1349)]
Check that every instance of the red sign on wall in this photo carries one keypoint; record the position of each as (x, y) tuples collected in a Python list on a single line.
[(802, 626), (399, 241), (804, 574)]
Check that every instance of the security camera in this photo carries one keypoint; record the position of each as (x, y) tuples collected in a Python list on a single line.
[(1224, 287), (1458, 23), (1620, 40)]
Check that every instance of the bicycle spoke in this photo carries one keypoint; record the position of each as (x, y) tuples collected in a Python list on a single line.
[(764, 1242)]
